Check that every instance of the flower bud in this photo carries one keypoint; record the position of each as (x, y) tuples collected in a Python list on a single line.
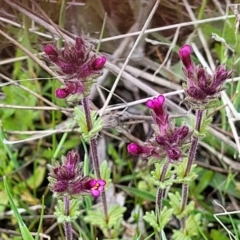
[(196, 93), (50, 51), (174, 153), (185, 55), (135, 149), (161, 140), (61, 93), (99, 63), (182, 132)]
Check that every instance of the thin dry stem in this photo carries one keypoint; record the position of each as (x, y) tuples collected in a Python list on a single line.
[(129, 57)]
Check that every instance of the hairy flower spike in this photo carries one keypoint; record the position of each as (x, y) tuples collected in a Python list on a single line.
[(167, 140), (67, 178), (78, 64), (201, 87)]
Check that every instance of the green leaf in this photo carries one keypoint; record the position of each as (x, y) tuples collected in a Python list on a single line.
[(38, 175), (204, 181), (139, 193), (23, 228), (216, 235), (158, 225), (115, 215), (192, 224), (165, 216), (176, 203), (205, 124), (180, 235), (180, 172), (156, 173), (97, 217), (151, 218), (105, 173), (80, 118), (74, 212)]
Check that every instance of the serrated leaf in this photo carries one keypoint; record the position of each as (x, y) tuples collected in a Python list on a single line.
[(175, 202), (151, 219), (74, 205), (165, 216), (180, 235), (188, 209), (80, 118), (115, 214), (192, 225), (96, 218)]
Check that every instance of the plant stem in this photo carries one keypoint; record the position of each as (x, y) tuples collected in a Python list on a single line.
[(67, 225), (159, 198), (94, 154), (191, 157), (160, 191)]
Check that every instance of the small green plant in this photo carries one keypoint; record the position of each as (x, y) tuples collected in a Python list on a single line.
[(172, 149)]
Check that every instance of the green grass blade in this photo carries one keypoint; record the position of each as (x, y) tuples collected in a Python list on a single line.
[(23, 228)]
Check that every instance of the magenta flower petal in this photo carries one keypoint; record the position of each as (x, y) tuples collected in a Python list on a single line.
[(101, 182), (101, 188), (95, 193), (96, 186), (156, 103), (92, 183)]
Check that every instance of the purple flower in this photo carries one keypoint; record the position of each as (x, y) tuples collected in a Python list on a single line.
[(96, 186), (78, 65), (160, 115), (156, 104)]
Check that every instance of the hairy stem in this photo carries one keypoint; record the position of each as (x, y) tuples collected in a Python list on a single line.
[(94, 153), (160, 191), (67, 225), (191, 157)]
